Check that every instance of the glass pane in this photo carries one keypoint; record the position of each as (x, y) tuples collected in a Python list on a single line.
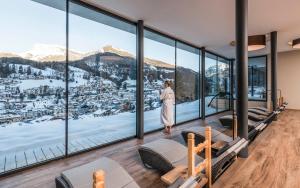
[(159, 66), (187, 83), (257, 78), (102, 79), (211, 84), (32, 82), (223, 98)]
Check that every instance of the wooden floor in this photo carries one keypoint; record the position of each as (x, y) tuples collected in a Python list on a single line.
[(274, 159), (268, 165)]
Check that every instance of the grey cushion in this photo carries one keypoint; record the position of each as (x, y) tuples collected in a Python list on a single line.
[(259, 112), (262, 109), (215, 134), (170, 150), (226, 121), (115, 175), (256, 117)]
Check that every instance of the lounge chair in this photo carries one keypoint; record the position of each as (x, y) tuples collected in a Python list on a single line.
[(82, 176), (261, 109), (164, 155), (254, 127), (255, 117), (259, 112)]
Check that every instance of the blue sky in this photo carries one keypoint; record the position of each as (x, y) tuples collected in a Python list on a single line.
[(27, 23)]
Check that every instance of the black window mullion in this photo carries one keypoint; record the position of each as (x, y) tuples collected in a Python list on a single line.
[(67, 80)]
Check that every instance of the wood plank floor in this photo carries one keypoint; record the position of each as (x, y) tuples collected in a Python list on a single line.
[(268, 164), (274, 160)]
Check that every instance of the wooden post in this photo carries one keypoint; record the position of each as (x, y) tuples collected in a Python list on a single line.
[(191, 155), (234, 127), (208, 155), (98, 179)]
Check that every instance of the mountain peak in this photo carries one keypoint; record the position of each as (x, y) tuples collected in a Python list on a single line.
[(118, 51), (50, 52)]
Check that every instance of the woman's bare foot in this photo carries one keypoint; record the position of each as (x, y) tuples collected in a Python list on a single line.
[(167, 131)]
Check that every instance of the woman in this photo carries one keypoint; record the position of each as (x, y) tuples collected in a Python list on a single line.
[(167, 112)]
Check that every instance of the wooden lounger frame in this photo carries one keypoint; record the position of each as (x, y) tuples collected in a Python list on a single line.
[(280, 101), (193, 169), (98, 179)]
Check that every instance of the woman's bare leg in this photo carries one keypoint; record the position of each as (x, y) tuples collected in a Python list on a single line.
[(167, 129)]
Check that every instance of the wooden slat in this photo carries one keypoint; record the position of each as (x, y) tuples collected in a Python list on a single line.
[(21, 160), (72, 147), (48, 154), (39, 155), (170, 177), (61, 148), (200, 166), (31, 158), (92, 142), (200, 147), (10, 162), (219, 145), (2, 163)]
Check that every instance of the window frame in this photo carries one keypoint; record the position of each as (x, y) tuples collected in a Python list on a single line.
[(201, 50), (266, 78)]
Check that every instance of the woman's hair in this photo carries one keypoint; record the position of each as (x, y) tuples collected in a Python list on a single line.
[(168, 83)]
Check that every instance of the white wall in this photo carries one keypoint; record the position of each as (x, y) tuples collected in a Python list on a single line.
[(288, 77)]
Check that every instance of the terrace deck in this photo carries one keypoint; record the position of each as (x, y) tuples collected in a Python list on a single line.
[(125, 153)]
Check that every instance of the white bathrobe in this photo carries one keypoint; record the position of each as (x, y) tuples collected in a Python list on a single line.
[(167, 108)]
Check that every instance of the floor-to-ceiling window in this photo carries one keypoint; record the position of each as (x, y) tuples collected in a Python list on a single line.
[(94, 76), (187, 82), (159, 66), (211, 84), (223, 99), (217, 84), (102, 79), (32, 82), (257, 78), (257, 84)]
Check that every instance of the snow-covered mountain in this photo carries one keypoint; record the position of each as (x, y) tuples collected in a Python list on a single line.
[(45, 52), (8, 54), (118, 51), (49, 52)]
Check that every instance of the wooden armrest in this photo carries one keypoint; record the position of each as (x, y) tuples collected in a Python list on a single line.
[(171, 176), (218, 145)]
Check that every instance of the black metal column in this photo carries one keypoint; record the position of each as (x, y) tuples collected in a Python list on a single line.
[(241, 24), (140, 80), (274, 68), (67, 83), (202, 83), (231, 85)]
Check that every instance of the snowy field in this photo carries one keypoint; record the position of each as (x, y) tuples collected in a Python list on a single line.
[(45, 132)]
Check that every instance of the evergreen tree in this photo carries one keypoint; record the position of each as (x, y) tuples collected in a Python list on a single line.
[(21, 97), (21, 71), (28, 70), (6, 70), (13, 69)]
